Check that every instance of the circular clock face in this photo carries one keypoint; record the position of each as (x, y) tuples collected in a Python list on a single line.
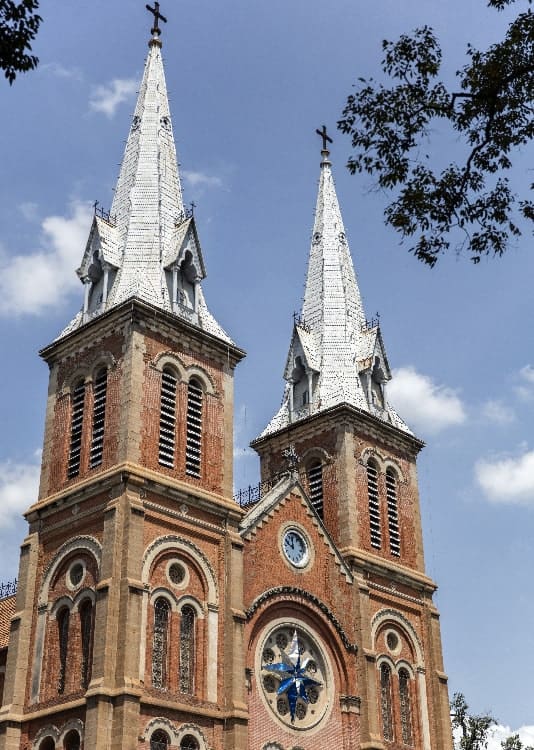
[(295, 548)]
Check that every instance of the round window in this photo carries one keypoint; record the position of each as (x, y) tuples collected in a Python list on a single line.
[(176, 573), (293, 677), (76, 574), (393, 641)]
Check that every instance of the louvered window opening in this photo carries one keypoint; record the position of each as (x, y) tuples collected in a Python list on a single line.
[(385, 702), (159, 741), (405, 708), (99, 417), (63, 634), (315, 482), (193, 439), (167, 419), (86, 629), (187, 650), (374, 506), (160, 643), (393, 515), (76, 427)]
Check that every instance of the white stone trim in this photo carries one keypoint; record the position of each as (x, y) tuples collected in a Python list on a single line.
[(195, 731), (190, 601), (390, 615)]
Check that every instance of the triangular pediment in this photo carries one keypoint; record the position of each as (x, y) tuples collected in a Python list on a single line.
[(286, 493), (185, 240), (102, 247), (302, 345), (374, 358)]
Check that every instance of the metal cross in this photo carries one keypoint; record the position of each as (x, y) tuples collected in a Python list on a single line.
[(325, 137), (157, 15)]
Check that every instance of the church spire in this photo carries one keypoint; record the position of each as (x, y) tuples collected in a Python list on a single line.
[(147, 246), (336, 356)]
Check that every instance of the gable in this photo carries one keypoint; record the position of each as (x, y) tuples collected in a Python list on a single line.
[(185, 244)]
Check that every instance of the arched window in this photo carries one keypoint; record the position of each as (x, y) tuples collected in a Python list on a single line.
[(393, 515), (72, 741), (167, 418), (193, 438), (160, 643), (76, 427), (86, 637), (189, 743), (99, 416), (63, 619), (315, 483), (405, 707), (47, 744), (385, 702), (187, 650), (374, 505), (159, 740)]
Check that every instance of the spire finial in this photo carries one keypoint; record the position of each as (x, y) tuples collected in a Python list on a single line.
[(155, 30), (325, 153)]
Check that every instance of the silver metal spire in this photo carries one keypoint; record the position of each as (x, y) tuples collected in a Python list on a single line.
[(147, 246), (335, 355)]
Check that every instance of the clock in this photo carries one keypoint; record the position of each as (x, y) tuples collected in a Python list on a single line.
[(295, 548)]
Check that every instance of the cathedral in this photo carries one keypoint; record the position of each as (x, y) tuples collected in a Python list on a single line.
[(156, 611)]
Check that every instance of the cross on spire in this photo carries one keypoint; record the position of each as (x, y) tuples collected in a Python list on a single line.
[(325, 137), (156, 31)]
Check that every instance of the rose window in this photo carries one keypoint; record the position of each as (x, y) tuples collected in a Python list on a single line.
[(294, 677)]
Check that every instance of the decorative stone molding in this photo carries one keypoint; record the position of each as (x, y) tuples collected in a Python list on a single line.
[(292, 591)]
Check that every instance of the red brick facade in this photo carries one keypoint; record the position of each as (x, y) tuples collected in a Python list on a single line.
[(148, 598)]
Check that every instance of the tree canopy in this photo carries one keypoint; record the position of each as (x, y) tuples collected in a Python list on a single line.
[(474, 729), (19, 24), (468, 204)]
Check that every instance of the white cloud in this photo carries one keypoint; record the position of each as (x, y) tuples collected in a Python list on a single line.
[(423, 404), (507, 480), (59, 71), (201, 180), (499, 733), (525, 390), (106, 98), (496, 411), (19, 484), (43, 279)]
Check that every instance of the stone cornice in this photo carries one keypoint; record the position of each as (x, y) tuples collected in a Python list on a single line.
[(135, 311), (344, 413), (133, 475), (364, 562)]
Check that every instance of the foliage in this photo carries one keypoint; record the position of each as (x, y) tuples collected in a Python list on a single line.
[(19, 24), (469, 204), (475, 728)]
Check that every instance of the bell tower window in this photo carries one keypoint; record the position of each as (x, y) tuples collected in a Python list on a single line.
[(393, 515), (315, 483), (76, 429), (99, 416), (167, 418), (193, 440), (374, 505)]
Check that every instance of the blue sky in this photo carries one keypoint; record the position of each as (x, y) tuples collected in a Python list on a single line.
[(248, 84)]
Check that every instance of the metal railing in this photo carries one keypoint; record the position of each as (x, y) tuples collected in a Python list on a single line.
[(254, 493), (8, 589)]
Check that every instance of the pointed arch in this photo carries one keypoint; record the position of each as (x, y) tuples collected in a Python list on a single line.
[(100, 385), (77, 408)]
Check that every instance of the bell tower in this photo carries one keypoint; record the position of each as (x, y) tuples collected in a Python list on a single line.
[(357, 466), (127, 630)]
